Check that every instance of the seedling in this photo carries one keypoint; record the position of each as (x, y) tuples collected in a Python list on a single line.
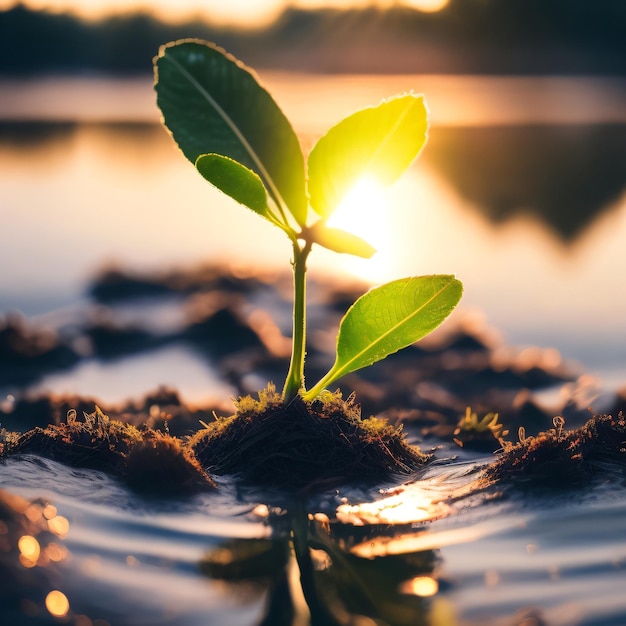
[(239, 140), (475, 431)]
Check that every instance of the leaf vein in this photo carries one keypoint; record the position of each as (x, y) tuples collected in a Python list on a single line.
[(234, 128), (370, 347), (389, 135)]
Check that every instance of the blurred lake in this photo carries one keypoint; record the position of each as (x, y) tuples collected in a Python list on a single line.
[(520, 192)]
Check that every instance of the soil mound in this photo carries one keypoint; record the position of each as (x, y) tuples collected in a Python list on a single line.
[(304, 446)]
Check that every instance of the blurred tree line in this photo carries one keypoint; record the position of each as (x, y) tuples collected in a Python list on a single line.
[(469, 36)]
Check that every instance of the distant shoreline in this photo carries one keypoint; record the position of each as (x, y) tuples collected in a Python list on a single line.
[(490, 37)]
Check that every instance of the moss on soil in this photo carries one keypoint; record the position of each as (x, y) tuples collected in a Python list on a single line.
[(304, 445), (557, 459), (298, 446), (149, 461)]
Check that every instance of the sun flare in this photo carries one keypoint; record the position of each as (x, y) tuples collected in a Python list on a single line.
[(365, 212), (246, 13), (362, 212), (427, 6)]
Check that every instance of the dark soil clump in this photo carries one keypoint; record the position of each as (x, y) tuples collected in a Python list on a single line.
[(556, 459), (148, 461), (304, 446), (28, 351)]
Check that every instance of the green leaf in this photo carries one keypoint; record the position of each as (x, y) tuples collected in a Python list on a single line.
[(340, 241), (381, 142), (212, 103), (389, 318), (235, 180)]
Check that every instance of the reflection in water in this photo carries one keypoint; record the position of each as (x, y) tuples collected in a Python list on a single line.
[(129, 144), (409, 505), (564, 175), (340, 588), (255, 566), (91, 194), (26, 137)]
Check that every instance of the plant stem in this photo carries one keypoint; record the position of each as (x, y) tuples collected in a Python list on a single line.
[(320, 614), (295, 376), (315, 391)]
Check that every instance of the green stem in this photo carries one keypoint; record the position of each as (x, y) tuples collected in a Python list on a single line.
[(295, 377), (312, 393)]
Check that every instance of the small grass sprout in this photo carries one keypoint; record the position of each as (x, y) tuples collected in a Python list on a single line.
[(558, 422), (482, 431), (240, 141)]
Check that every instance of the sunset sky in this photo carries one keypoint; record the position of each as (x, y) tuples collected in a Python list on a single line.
[(239, 12)]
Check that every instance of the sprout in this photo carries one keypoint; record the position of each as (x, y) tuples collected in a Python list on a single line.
[(239, 140)]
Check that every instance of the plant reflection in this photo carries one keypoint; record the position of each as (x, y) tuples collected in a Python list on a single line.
[(339, 587), (256, 566)]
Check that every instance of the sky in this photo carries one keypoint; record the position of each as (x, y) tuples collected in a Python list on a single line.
[(231, 12)]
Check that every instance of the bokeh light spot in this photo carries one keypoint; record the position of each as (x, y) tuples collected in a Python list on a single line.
[(57, 603), (29, 550), (56, 553), (423, 586), (59, 525), (50, 511)]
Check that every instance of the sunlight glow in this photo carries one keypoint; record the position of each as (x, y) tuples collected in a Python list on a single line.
[(410, 505), (362, 212), (420, 541), (365, 213), (243, 13), (427, 6)]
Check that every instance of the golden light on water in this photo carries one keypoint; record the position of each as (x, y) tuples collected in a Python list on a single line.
[(420, 541), (57, 604), (410, 505)]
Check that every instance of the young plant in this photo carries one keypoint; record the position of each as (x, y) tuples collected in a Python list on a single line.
[(239, 140)]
